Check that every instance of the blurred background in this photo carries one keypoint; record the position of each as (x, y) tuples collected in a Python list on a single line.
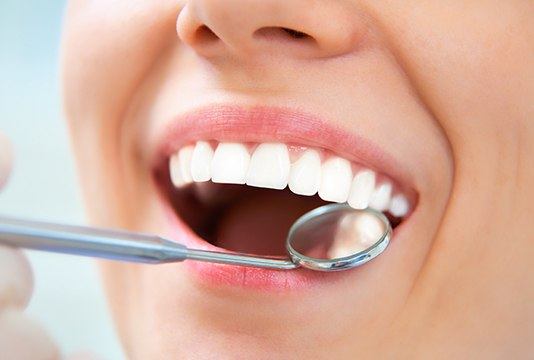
[(68, 298)]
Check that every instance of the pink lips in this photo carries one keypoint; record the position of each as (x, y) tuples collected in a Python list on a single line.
[(260, 124)]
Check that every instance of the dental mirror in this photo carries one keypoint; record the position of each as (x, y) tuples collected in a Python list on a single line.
[(337, 237), (329, 238)]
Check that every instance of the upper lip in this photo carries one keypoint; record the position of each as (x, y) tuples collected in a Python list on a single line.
[(264, 124)]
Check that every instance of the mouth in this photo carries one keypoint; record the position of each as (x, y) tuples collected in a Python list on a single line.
[(235, 179)]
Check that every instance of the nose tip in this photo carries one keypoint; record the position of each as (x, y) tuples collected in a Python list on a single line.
[(301, 28)]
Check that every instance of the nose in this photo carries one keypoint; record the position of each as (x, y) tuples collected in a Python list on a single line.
[(301, 28)]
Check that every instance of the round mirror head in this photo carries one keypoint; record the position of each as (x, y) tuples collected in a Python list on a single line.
[(337, 237)]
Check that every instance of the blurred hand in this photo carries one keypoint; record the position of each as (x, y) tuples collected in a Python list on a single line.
[(20, 337)]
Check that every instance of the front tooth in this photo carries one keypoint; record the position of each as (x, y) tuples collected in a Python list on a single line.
[(399, 205), (269, 166), (305, 174), (336, 176), (230, 163), (180, 167), (201, 162), (361, 189), (381, 197)]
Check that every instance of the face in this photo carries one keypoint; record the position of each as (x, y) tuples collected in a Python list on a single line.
[(418, 109)]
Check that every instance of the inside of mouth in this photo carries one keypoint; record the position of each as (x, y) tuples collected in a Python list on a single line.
[(241, 218)]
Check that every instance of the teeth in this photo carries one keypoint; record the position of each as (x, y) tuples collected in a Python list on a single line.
[(230, 164), (305, 175), (399, 205), (180, 167), (381, 197), (201, 162), (361, 189), (336, 176), (269, 166)]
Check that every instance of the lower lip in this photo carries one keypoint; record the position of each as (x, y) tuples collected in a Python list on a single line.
[(215, 275)]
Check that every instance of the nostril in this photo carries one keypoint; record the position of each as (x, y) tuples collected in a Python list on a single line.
[(296, 34), (283, 34), (204, 34)]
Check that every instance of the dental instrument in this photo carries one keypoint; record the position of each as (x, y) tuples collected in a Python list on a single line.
[(329, 238)]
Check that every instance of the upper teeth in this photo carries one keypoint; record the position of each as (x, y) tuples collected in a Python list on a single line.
[(201, 162), (336, 177), (230, 164), (273, 165), (269, 166), (305, 173)]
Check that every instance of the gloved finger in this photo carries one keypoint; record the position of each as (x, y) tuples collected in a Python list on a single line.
[(5, 159), (23, 338), (16, 278)]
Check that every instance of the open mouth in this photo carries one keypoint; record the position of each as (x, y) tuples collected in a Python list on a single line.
[(238, 179)]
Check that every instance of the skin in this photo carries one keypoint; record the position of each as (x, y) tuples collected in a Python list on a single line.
[(443, 87)]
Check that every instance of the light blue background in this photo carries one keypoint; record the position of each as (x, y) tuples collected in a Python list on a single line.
[(68, 298)]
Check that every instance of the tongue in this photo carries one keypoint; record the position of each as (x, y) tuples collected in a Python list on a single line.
[(258, 223)]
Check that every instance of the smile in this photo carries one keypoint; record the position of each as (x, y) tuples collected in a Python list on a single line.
[(234, 179)]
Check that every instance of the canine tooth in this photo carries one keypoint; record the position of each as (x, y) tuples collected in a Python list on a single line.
[(180, 166), (230, 163), (269, 166), (399, 205), (201, 162), (381, 197), (361, 189), (305, 174), (336, 176)]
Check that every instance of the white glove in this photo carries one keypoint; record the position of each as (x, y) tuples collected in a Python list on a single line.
[(21, 338)]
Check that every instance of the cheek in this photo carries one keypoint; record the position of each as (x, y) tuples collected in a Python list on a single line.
[(108, 49), (106, 52), (468, 60)]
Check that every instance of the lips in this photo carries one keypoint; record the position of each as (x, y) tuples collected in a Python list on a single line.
[(303, 159)]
